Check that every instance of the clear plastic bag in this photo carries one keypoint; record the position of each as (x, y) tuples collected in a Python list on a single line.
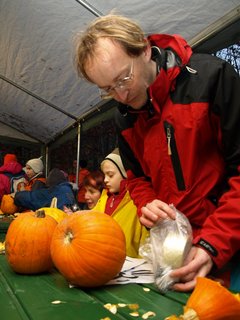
[(167, 247)]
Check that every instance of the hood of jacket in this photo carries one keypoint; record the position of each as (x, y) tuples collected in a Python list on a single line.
[(178, 53), (11, 167), (174, 54)]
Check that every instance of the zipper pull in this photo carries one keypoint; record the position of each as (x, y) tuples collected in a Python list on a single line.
[(112, 202), (169, 141), (191, 70)]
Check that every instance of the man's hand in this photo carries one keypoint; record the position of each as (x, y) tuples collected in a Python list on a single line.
[(155, 211), (197, 264)]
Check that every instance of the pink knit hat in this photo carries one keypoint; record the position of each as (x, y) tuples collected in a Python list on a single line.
[(9, 157)]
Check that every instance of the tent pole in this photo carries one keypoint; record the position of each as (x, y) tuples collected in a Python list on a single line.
[(90, 8), (38, 97), (46, 160), (78, 150)]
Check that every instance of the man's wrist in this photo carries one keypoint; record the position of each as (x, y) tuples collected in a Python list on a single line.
[(207, 247)]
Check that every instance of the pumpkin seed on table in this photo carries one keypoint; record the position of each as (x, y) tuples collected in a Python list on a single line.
[(148, 315), (121, 305), (133, 306), (57, 302), (134, 314), (111, 307)]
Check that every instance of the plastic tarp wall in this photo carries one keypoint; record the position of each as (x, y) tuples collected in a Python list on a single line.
[(40, 92)]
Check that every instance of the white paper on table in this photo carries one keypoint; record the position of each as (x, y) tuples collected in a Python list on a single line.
[(134, 271)]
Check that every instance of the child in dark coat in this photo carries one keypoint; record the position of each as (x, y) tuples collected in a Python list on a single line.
[(56, 186)]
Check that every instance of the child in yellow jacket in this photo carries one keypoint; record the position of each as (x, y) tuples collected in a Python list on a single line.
[(116, 202)]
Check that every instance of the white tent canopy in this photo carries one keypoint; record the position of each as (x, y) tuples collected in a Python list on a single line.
[(40, 93)]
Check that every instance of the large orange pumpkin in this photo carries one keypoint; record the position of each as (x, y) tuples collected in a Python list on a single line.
[(210, 301), (88, 248), (7, 204), (28, 243)]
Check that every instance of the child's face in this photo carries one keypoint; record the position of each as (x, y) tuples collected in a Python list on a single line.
[(112, 176), (29, 172)]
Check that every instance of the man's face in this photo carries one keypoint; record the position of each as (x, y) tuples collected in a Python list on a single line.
[(111, 66)]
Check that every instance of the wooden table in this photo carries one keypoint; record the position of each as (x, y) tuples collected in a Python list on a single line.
[(4, 224), (49, 297)]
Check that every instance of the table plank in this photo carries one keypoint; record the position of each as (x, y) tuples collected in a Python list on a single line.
[(34, 296), (162, 305), (30, 298), (10, 308), (4, 225)]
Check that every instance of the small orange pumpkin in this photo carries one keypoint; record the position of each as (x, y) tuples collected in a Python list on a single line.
[(7, 204), (28, 243), (88, 248), (210, 301)]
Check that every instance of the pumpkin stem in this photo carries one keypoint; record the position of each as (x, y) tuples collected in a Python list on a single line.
[(40, 214), (68, 237), (53, 203)]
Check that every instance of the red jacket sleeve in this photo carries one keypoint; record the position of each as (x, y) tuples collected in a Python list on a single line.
[(4, 185)]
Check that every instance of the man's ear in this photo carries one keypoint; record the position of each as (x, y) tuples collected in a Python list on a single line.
[(148, 51)]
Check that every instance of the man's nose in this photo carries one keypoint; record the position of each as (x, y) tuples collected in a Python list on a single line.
[(121, 94)]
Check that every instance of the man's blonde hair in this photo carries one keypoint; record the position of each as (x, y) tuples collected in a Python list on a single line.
[(120, 29)]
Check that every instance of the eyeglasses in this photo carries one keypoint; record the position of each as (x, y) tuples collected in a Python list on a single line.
[(121, 85)]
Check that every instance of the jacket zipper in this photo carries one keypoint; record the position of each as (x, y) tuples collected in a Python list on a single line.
[(173, 153), (112, 202)]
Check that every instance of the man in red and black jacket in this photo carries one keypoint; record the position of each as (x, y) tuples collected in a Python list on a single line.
[(179, 139)]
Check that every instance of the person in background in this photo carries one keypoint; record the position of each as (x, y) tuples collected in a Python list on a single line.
[(11, 175), (94, 185), (178, 133), (116, 202), (72, 178), (72, 173), (35, 178), (83, 172), (57, 186)]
